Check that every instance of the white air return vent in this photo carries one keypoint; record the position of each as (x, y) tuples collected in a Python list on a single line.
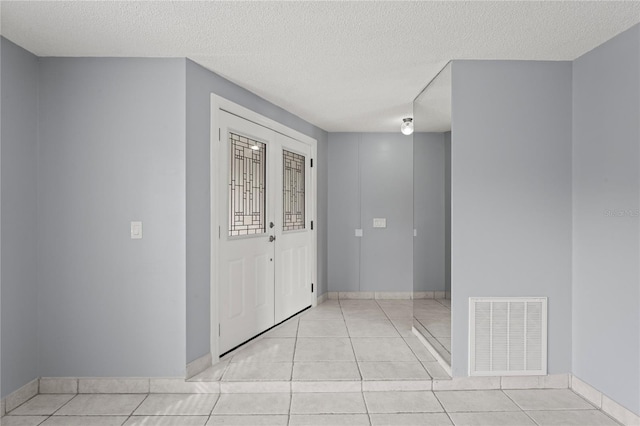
[(507, 336)]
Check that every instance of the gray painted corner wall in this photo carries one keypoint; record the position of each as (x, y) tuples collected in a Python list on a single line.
[(198, 197), (429, 244), (19, 88), (511, 194), (386, 190), (344, 212), (323, 212), (370, 176), (606, 227), (200, 84), (111, 150)]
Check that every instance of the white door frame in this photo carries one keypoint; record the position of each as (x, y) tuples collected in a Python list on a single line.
[(219, 103)]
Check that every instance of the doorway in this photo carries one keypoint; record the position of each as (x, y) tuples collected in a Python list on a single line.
[(265, 207)]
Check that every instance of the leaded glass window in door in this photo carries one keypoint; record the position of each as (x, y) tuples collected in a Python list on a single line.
[(247, 186), (293, 191)]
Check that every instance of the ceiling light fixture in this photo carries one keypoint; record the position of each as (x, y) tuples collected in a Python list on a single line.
[(407, 126)]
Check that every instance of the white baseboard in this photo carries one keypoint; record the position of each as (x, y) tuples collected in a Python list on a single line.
[(323, 298), (369, 295), (58, 385), (603, 402), (197, 366), (394, 295), (429, 295), (19, 397), (443, 363), (356, 295)]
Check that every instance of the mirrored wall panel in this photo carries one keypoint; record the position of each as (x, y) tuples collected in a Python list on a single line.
[(431, 219)]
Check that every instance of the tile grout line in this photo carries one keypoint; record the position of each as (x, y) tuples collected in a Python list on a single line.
[(293, 363), (355, 358), (595, 406), (138, 406), (410, 348), (225, 369), (293, 360), (517, 405), (214, 407), (442, 405), (47, 418), (439, 301), (65, 404)]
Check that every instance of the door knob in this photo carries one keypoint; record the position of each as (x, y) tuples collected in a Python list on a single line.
[(271, 238), (271, 224)]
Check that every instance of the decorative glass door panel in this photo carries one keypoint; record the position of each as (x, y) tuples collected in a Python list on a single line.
[(293, 191), (247, 186), (293, 235)]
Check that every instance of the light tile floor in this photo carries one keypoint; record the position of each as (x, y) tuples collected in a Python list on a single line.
[(335, 344), (347, 340), (488, 407)]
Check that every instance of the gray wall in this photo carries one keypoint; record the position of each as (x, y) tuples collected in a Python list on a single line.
[(200, 83), (344, 211), (19, 136), (606, 199), (447, 212), (429, 220), (120, 140), (112, 150), (511, 193), (370, 175)]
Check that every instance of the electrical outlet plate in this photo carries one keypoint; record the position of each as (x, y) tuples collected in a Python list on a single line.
[(380, 222), (136, 230), (358, 232)]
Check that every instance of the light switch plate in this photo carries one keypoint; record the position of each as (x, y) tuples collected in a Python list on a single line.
[(380, 222), (358, 232), (136, 230), (415, 232)]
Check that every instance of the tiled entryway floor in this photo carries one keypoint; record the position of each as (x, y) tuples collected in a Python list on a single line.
[(347, 340), (290, 376), (489, 407)]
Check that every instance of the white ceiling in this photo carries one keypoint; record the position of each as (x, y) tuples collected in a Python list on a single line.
[(343, 66)]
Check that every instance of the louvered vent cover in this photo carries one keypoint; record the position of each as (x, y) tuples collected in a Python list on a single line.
[(508, 336)]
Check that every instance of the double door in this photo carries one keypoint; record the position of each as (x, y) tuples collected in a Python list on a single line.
[(265, 250)]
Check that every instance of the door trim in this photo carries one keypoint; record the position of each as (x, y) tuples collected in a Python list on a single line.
[(218, 104)]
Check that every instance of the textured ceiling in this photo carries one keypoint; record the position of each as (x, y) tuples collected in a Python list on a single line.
[(343, 66)]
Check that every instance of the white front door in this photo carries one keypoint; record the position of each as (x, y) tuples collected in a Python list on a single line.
[(265, 238), (293, 230), (246, 252)]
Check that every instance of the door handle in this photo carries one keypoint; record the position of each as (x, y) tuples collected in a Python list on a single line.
[(271, 238), (271, 224)]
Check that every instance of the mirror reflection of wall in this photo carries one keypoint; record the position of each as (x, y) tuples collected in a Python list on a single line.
[(431, 218)]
